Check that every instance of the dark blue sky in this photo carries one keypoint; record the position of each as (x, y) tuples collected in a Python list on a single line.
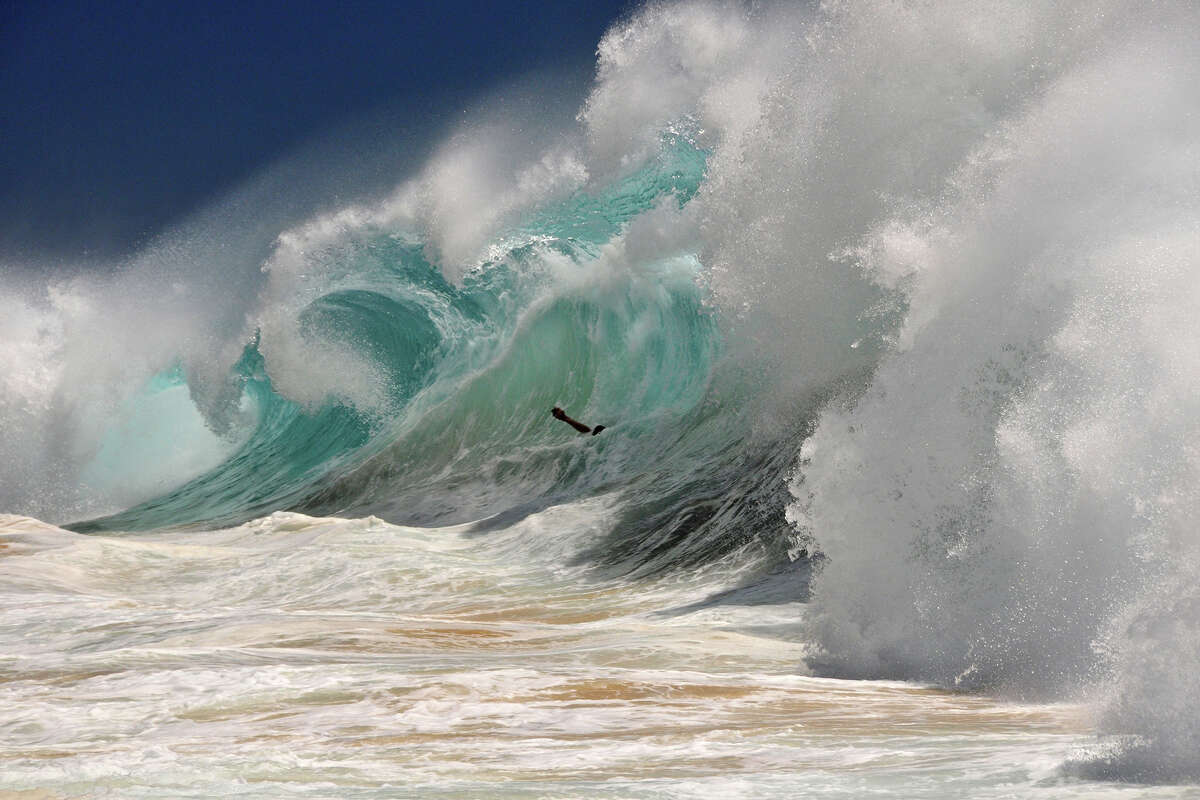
[(118, 117)]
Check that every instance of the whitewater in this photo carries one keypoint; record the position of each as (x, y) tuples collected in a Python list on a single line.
[(889, 310)]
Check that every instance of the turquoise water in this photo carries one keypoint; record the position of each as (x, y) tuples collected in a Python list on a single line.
[(470, 372)]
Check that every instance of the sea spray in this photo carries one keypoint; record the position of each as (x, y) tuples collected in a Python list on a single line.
[(1020, 470), (979, 224)]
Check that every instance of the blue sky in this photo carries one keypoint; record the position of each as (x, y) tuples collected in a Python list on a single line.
[(119, 117)]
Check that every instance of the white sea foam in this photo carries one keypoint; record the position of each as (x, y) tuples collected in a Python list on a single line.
[(351, 657), (993, 210)]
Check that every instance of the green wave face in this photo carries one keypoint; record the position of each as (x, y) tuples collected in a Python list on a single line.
[(472, 371)]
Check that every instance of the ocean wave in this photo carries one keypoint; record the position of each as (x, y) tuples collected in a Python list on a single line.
[(933, 263)]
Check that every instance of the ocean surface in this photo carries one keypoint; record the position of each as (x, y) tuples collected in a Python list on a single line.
[(890, 312)]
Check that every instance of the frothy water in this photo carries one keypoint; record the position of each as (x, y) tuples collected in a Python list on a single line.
[(888, 311), (302, 656)]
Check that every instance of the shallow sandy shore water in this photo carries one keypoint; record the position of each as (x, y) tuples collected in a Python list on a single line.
[(304, 657)]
